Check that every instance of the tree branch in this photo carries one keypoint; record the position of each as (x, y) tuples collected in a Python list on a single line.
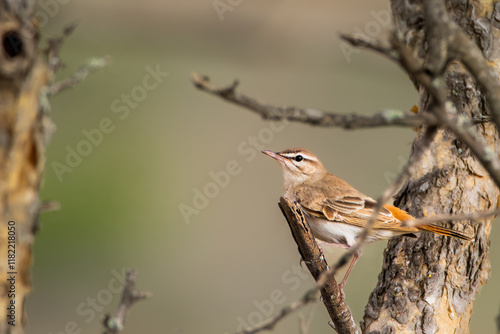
[(369, 44), (54, 49), (92, 65), (130, 296), (315, 117), (312, 255), (309, 297), (475, 216)]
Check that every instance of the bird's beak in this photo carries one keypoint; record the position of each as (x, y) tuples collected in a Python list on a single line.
[(274, 155)]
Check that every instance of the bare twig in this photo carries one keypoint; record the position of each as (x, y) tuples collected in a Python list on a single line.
[(369, 44), (475, 216), (130, 296), (92, 65), (313, 116), (310, 297), (55, 45)]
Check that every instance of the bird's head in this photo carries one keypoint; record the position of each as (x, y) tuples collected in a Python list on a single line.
[(299, 165)]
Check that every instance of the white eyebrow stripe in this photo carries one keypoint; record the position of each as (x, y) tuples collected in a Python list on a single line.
[(309, 157), (293, 155)]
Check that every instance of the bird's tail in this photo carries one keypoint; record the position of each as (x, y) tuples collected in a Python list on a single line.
[(444, 231)]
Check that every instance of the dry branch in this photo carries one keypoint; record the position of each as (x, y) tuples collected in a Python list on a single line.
[(310, 297), (312, 255), (92, 65), (475, 216), (130, 296), (370, 44), (316, 117), (54, 49)]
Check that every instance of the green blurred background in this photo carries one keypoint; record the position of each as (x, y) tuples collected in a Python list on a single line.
[(120, 205)]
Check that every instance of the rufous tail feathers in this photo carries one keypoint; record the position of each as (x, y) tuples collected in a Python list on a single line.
[(444, 231), (403, 215)]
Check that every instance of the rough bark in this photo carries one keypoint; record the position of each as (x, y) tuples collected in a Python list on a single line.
[(428, 285), (24, 132)]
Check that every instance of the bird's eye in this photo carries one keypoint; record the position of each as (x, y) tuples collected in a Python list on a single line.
[(299, 158)]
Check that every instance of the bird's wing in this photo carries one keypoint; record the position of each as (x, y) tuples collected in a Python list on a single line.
[(337, 201), (357, 210)]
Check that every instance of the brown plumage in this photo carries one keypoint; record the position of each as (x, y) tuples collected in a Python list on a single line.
[(336, 211)]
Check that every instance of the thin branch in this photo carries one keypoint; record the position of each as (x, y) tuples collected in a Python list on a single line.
[(54, 48), (475, 216), (92, 65), (130, 296), (315, 117), (55, 63), (331, 293), (310, 297), (369, 44)]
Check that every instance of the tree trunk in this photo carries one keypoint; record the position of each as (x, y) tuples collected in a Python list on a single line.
[(428, 285), (24, 132)]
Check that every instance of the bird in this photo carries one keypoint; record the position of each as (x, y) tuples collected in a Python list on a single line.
[(336, 212)]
